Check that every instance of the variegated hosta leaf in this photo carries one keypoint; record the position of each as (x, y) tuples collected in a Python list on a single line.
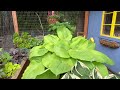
[(83, 70), (111, 76), (70, 76), (64, 33), (90, 55), (66, 76), (37, 51), (57, 64), (95, 74)]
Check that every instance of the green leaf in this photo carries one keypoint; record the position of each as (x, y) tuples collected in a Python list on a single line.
[(102, 69), (49, 47), (37, 51), (80, 43), (33, 70), (6, 56), (90, 65), (47, 74), (64, 33), (37, 58), (46, 60), (91, 45), (61, 49), (58, 65), (77, 41), (50, 39), (90, 55)]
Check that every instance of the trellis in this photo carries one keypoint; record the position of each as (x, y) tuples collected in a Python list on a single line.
[(35, 22)]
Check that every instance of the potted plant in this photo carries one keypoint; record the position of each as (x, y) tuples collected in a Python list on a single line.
[(52, 19)]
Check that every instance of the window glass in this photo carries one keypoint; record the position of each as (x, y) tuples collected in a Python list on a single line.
[(106, 29), (108, 18), (118, 18), (117, 31)]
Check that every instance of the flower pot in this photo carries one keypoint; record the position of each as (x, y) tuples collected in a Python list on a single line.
[(52, 20)]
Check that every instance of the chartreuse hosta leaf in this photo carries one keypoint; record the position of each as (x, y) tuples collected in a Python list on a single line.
[(49, 47), (90, 65), (37, 51), (61, 49), (90, 55), (50, 39), (47, 74), (64, 33), (57, 64), (91, 45), (37, 58), (101, 68), (33, 70), (80, 42)]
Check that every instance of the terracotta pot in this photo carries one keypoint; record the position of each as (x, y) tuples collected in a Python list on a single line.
[(52, 20)]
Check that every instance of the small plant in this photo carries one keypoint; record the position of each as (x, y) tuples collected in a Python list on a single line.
[(53, 27), (59, 54), (10, 69), (7, 68), (25, 40), (18, 54), (4, 57)]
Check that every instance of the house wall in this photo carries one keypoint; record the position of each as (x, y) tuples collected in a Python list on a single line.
[(94, 25)]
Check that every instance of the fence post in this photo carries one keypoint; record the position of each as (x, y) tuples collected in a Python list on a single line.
[(15, 23), (86, 23)]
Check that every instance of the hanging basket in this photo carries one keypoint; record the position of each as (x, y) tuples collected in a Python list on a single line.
[(52, 19)]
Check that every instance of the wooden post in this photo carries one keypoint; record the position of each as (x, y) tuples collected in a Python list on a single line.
[(86, 23), (15, 23)]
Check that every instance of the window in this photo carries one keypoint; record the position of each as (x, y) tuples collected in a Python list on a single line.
[(110, 24)]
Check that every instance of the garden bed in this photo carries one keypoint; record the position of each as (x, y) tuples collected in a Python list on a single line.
[(20, 71)]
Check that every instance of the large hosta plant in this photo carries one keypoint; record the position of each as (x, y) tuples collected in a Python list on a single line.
[(59, 54)]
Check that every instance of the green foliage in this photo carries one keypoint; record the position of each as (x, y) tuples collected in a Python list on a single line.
[(35, 68), (4, 56), (82, 71), (25, 40), (7, 69), (11, 68), (54, 16), (59, 54), (53, 27)]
